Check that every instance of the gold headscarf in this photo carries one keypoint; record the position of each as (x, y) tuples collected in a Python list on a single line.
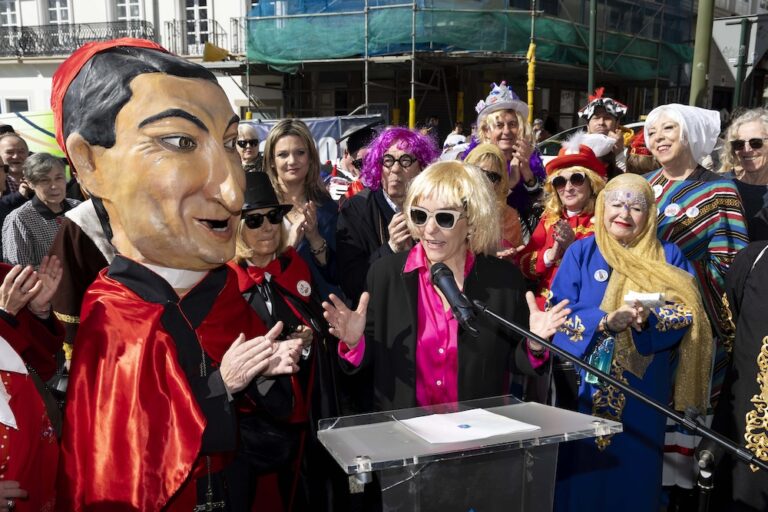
[(642, 267)]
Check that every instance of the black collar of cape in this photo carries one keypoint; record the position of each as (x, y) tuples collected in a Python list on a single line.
[(195, 305), (46, 212)]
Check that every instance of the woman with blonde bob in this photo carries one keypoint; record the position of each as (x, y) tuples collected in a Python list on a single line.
[(490, 160), (418, 352), (293, 164)]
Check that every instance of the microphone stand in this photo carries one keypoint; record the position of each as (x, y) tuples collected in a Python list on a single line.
[(688, 420)]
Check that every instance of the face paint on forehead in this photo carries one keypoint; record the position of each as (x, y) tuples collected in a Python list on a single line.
[(627, 197)]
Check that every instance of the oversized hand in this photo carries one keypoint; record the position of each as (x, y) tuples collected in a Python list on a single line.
[(247, 358), (545, 323), (18, 288), (345, 324), (49, 274)]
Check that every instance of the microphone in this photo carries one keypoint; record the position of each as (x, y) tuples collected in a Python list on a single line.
[(463, 311)]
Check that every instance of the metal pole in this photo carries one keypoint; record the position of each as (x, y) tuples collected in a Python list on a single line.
[(700, 66), (592, 44), (532, 63), (741, 66), (366, 57), (412, 99)]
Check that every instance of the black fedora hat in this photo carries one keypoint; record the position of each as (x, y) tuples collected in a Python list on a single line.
[(259, 193)]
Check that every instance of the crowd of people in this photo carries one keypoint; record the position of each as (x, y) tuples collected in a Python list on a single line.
[(211, 296)]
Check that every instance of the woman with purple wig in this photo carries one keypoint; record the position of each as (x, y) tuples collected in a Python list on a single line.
[(371, 223)]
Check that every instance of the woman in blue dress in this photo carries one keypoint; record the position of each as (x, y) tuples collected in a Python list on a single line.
[(660, 349)]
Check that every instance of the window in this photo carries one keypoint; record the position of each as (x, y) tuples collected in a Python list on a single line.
[(197, 25), (16, 106), (8, 13), (58, 12), (128, 10)]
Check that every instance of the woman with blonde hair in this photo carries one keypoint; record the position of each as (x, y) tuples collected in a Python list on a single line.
[(502, 120), (574, 179), (452, 212), (292, 162), (490, 160), (277, 436), (744, 157), (660, 345)]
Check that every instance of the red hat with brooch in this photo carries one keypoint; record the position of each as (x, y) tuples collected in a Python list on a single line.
[(574, 153)]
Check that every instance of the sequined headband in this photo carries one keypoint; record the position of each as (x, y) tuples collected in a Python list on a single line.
[(628, 197)]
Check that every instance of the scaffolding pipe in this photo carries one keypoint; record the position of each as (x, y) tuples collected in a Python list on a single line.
[(366, 57), (592, 45), (531, 56), (412, 99)]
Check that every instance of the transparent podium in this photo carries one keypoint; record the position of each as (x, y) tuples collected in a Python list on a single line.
[(514, 472)]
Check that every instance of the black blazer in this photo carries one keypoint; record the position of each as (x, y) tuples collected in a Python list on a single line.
[(485, 362), (362, 237)]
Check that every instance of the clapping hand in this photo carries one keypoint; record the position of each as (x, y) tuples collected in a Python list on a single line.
[(49, 275), (19, 286), (545, 323), (345, 324), (246, 359), (509, 252)]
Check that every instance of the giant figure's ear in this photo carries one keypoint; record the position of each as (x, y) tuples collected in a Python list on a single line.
[(83, 156)]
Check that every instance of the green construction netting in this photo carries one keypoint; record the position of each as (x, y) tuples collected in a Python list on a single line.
[(334, 30)]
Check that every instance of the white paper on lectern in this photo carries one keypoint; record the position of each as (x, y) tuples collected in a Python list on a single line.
[(461, 426)]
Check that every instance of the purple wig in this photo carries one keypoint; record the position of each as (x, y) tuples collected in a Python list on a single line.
[(422, 147)]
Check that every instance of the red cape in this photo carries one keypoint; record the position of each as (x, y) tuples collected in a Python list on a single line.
[(133, 429)]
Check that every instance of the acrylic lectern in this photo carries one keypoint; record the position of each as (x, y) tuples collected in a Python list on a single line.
[(514, 472)]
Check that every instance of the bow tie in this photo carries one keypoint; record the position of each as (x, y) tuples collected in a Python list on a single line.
[(274, 268)]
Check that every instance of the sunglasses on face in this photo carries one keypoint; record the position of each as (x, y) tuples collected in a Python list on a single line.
[(493, 176), (576, 179), (255, 220), (446, 219), (405, 161), (357, 163), (254, 143), (739, 144)]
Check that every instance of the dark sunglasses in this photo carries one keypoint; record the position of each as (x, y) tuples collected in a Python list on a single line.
[(254, 143), (255, 220), (357, 163), (405, 161), (739, 145), (446, 219), (576, 179), (493, 176)]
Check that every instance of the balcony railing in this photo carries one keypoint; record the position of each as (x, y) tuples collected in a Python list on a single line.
[(188, 37), (56, 40)]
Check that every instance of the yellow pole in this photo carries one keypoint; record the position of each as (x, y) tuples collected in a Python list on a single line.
[(395, 117), (460, 107), (248, 114), (531, 56), (412, 113)]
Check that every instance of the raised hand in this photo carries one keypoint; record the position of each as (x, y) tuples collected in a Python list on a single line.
[(345, 324), (622, 318), (545, 323), (49, 275), (563, 234), (18, 288), (399, 235), (509, 252)]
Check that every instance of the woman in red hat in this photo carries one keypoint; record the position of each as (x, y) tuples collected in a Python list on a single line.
[(574, 179)]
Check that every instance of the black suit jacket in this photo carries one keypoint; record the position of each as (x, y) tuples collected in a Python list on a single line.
[(362, 237), (485, 362)]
